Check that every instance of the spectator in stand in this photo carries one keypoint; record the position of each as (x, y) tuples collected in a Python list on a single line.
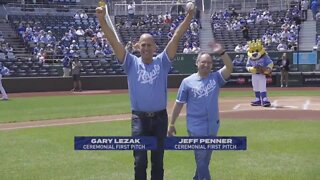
[(41, 55), (66, 64), (282, 46), (77, 15), (198, 17), (80, 31), (51, 38), (160, 18), (194, 27), (227, 14), (318, 16), (74, 46), (99, 34), (21, 29), (66, 40), (167, 20), (187, 49), (159, 33), (285, 34), (43, 38), (304, 8), (314, 8), (195, 48), (99, 52), (49, 51), (29, 28), (237, 61), (58, 52), (169, 15), (1, 38), (89, 32), (170, 34), (234, 14), (83, 15), (131, 10), (107, 50), (131, 46), (8, 48), (239, 48), (2, 50), (245, 33)]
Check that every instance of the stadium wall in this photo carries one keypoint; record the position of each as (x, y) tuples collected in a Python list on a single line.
[(18, 85)]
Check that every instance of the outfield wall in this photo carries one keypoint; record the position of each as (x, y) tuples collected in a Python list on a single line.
[(16, 85)]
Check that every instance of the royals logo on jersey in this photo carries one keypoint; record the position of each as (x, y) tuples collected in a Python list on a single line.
[(204, 91), (145, 76)]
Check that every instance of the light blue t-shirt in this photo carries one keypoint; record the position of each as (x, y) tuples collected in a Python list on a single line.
[(201, 96), (147, 82)]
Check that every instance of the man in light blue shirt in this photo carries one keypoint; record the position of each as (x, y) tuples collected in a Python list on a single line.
[(200, 91), (147, 82)]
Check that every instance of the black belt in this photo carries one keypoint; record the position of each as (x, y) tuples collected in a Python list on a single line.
[(149, 114)]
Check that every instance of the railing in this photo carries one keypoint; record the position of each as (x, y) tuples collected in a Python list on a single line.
[(14, 8), (245, 5), (143, 9)]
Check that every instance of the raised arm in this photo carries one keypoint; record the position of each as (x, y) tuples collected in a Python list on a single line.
[(175, 114), (173, 44), (118, 48), (228, 66)]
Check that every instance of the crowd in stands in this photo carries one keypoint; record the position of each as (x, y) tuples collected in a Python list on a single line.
[(161, 26), (6, 50), (76, 40), (281, 29)]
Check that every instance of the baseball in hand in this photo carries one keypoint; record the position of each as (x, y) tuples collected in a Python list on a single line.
[(189, 6)]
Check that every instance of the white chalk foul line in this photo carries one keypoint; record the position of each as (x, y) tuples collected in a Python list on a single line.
[(306, 104), (274, 104), (236, 107)]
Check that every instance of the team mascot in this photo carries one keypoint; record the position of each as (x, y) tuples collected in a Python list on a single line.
[(260, 65)]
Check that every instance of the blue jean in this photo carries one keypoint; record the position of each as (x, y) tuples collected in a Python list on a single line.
[(202, 158), (149, 126)]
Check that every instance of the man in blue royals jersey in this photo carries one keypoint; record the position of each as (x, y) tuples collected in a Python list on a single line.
[(200, 91), (147, 82)]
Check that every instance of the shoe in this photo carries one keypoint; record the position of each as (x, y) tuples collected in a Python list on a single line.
[(286, 85), (281, 85), (266, 103), (256, 103), (4, 99), (72, 90)]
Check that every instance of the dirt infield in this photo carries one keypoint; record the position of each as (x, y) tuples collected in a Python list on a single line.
[(297, 108)]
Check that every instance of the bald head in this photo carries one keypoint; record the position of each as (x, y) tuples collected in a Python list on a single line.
[(147, 37), (147, 47)]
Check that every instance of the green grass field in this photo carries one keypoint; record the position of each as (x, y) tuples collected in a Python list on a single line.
[(57, 107), (276, 149)]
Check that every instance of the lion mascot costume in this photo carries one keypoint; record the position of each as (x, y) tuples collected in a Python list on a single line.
[(260, 65)]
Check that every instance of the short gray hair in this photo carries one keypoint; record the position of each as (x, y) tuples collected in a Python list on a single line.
[(200, 54)]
